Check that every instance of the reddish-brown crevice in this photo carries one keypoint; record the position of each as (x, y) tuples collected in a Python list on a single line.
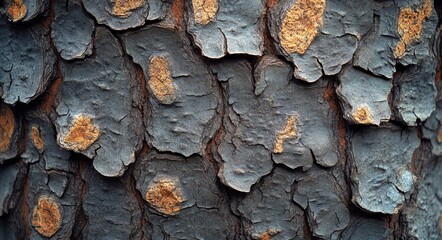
[(25, 210), (80, 215), (178, 13), (269, 46), (139, 198), (332, 99), (7, 126)]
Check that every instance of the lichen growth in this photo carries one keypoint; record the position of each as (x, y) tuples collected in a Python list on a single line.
[(160, 80), (290, 131), (81, 135), (7, 124), (300, 25), (362, 115), (17, 10), (204, 11), (165, 195), (46, 216), (36, 138), (123, 8), (410, 24)]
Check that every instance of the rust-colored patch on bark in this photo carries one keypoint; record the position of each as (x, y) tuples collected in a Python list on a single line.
[(160, 80), (440, 224), (7, 124), (290, 131), (265, 236), (271, 3), (37, 140), (123, 8), (410, 24), (165, 195), (17, 10), (46, 216), (204, 11), (301, 24), (363, 115), (178, 11), (439, 134), (82, 134)]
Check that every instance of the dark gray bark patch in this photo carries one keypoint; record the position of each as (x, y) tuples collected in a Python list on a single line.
[(103, 123), (268, 210), (255, 125), (364, 97), (424, 219), (27, 62), (327, 215), (335, 41), (415, 94), (184, 122), (111, 209), (203, 214), (236, 28), (380, 173), (72, 30)]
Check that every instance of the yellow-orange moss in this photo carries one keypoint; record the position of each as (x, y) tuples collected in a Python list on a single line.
[(160, 80), (82, 134), (204, 11), (123, 8), (410, 24), (46, 216), (363, 115), (165, 195), (301, 24), (290, 131), (17, 10), (7, 124), (36, 138)]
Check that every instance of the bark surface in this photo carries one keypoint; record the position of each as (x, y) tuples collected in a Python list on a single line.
[(220, 119)]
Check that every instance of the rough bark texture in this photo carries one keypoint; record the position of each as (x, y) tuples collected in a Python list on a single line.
[(220, 119)]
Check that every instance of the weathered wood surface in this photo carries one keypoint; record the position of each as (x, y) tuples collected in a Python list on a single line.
[(220, 119)]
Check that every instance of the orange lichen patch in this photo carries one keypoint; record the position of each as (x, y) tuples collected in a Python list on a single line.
[(160, 80), (265, 236), (290, 131), (363, 115), (165, 195), (7, 124), (17, 10), (439, 134), (123, 8), (204, 11), (37, 140), (410, 26), (46, 216), (300, 25), (81, 134)]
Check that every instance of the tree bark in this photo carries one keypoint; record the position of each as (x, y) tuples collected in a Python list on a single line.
[(220, 119)]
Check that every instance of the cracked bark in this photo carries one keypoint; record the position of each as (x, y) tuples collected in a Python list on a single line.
[(220, 119)]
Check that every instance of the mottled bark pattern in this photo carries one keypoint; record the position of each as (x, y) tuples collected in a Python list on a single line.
[(220, 119)]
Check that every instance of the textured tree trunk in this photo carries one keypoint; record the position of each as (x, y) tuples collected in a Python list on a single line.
[(220, 119)]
